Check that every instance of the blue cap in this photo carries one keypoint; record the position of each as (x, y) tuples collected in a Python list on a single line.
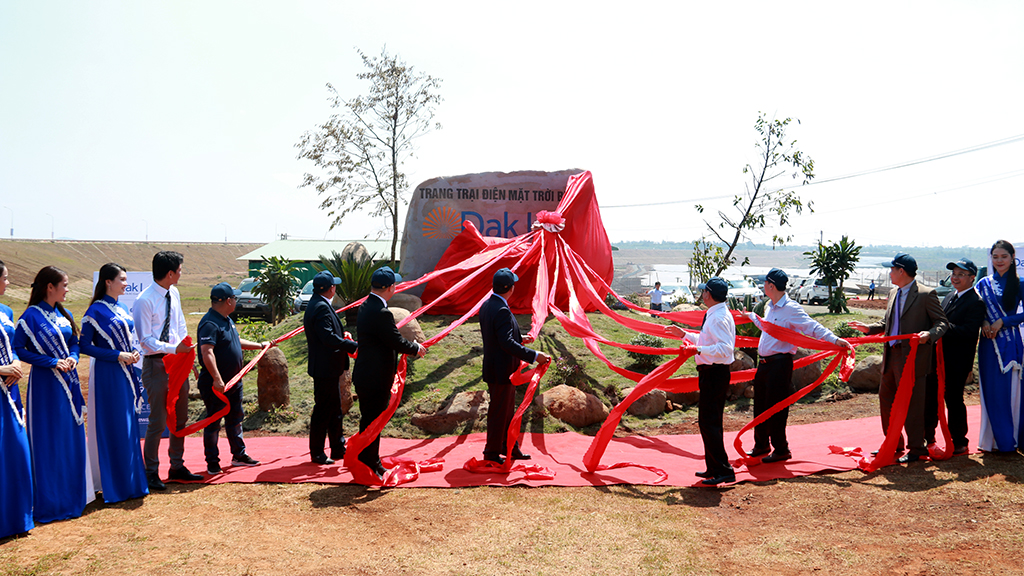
[(964, 264), (324, 280), (718, 288), (223, 291), (384, 277), (777, 277), (905, 261), (504, 279)]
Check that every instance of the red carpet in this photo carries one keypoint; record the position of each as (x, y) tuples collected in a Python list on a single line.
[(286, 459)]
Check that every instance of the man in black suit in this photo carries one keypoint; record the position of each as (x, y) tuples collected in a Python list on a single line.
[(965, 311), (379, 346), (503, 349), (329, 348)]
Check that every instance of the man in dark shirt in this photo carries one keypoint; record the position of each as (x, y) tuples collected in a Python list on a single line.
[(220, 356)]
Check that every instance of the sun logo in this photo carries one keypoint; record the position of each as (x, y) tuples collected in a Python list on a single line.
[(442, 224)]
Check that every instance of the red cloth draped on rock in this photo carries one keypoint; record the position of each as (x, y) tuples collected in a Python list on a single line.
[(564, 264)]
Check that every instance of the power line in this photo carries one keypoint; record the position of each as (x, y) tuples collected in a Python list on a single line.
[(1003, 142)]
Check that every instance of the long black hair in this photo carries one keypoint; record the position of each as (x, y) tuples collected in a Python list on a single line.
[(45, 277), (1012, 291), (108, 271)]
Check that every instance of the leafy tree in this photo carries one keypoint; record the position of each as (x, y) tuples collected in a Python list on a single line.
[(276, 285), (358, 153), (834, 263), (355, 276), (759, 206)]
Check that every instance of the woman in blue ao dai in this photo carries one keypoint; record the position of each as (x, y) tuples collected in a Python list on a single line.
[(15, 465), (47, 338), (1001, 353), (108, 336)]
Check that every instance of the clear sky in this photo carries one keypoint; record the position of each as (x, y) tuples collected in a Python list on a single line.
[(179, 119)]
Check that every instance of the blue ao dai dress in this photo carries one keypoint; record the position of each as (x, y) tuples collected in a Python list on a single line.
[(15, 463)]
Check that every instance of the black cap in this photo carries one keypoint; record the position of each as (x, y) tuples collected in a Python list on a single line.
[(905, 261), (384, 277), (324, 280), (223, 291), (964, 264), (717, 287), (504, 279), (777, 277)]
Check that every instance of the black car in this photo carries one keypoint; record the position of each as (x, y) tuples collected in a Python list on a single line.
[(249, 304)]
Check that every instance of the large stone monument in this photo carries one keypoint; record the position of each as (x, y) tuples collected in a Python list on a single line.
[(497, 203)]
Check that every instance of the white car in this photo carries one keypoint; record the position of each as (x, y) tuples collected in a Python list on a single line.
[(815, 293), (302, 298), (740, 288), (675, 292)]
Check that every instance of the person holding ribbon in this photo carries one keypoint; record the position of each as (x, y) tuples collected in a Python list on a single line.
[(220, 349), (1001, 353), (47, 338), (773, 381), (913, 309), (15, 462), (160, 324), (115, 390)]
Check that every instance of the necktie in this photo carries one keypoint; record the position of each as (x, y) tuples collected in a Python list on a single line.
[(704, 320), (165, 333), (951, 303), (895, 319)]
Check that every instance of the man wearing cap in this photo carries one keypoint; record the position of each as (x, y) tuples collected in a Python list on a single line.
[(773, 381), (379, 346), (328, 348), (965, 312), (220, 359), (912, 309), (503, 349), (714, 356)]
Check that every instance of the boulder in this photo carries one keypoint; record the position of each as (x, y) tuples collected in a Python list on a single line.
[(347, 398), (648, 405), (272, 380), (356, 251), (573, 406), (405, 300), (808, 374), (867, 374), (463, 407), (748, 392), (412, 330), (742, 361), (683, 398)]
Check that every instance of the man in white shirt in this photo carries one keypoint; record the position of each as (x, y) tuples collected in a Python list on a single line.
[(773, 382), (657, 295), (714, 356), (160, 326)]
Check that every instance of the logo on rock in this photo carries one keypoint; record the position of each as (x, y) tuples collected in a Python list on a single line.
[(443, 223)]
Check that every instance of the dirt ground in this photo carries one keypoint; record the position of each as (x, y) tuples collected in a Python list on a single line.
[(962, 516)]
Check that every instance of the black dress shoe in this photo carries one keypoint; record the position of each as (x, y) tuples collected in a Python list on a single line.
[(703, 474), (777, 457), (517, 455), (380, 471), (908, 458), (154, 483), (957, 450), (183, 475), (724, 479), (758, 451), (496, 458), (336, 456), (321, 459)]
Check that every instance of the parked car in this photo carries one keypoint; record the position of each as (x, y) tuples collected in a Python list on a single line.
[(944, 287), (676, 293), (302, 299), (249, 304), (793, 289), (815, 292), (741, 288)]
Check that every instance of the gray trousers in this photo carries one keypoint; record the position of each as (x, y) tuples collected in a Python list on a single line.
[(154, 378)]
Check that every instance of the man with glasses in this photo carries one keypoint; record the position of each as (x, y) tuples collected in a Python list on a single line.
[(220, 356), (965, 311)]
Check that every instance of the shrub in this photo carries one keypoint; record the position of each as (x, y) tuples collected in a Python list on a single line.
[(646, 362), (567, 371), (843, 330), (277, 285), (254, 331)]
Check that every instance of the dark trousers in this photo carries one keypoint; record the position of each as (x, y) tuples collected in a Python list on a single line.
[(713, 383), (372, 403), (232, 422), (914, 424), (773, 383), (500, 410), (154, 378), (956, 410), (326, 419)]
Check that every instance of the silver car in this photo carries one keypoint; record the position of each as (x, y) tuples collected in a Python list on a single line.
[(249, 304)]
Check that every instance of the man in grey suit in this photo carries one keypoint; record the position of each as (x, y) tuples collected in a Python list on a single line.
[(913, 309)]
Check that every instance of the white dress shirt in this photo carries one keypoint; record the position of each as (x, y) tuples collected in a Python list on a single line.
[(717, 337), (788, 314), (149, 312)]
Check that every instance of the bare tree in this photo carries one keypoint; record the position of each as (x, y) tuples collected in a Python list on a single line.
[(358, 153), (760, 205)]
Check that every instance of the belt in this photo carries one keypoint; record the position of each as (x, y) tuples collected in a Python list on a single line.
[(155, 356), (703, 367)]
